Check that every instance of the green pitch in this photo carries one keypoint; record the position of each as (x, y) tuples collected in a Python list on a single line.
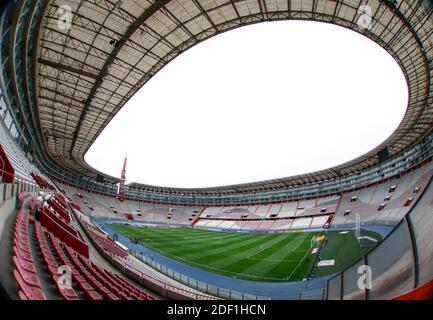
[(257, 257), (344, 248)]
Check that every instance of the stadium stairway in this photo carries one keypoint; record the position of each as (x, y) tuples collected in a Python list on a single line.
[(51, 259), (47, 285)]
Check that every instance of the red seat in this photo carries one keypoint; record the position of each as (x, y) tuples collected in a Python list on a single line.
[(22, 247), (85, 286), (53, 269), (42, 245), (65, 293), (74, 271), (23, 243), (21, 229), (47, 252), (22, 296), (24, 239), (29, 277), (30, 292), (68, 294), (26, 265), (95, 282), (21, 218), (51, 262), (92, 295), (135, 296), (24, 255), (110, 296), (78, 278)]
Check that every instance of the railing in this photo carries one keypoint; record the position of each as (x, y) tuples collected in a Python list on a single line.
[(10, 190), (196, 284), (146, 278), (140, 276), (188, 281), (398, 265), (16, 179)]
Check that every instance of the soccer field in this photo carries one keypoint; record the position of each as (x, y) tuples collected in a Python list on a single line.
[(344, 248), (257, 257)]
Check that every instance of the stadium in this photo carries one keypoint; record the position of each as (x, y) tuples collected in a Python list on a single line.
[(361, 230)]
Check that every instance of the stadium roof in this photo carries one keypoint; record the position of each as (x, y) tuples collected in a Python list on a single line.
[(87, 72)]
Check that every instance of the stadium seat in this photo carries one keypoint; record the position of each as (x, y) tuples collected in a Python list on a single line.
[(22, 296), (29, 277), (32, 293)]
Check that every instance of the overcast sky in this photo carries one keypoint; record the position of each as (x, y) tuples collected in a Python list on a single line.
[(260, 102)]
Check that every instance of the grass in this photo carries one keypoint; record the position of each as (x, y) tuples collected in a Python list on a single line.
[(344, 248), (256, 257)]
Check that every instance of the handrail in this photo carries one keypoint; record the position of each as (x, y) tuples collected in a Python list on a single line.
[(402, 221), (140, 273), (17, 179)]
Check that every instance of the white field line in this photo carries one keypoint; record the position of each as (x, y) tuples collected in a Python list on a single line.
[(226, 271), (263, 248), (207, 266), (300, 262), (278, 260)]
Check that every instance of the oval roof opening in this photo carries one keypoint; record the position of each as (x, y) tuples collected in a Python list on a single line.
[(260, 102)]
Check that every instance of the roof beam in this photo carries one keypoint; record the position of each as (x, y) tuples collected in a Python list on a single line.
[(98, 80), (60, 66)]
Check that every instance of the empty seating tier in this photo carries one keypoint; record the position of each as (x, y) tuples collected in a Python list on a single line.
[(73, 275)]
